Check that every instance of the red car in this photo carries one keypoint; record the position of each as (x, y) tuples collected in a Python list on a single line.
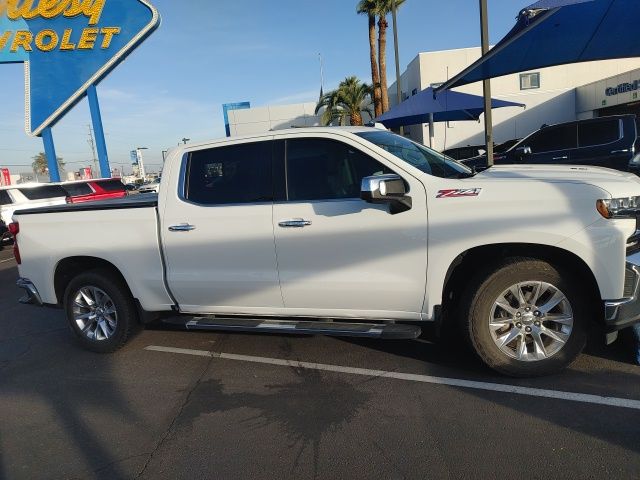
[(92, 190)]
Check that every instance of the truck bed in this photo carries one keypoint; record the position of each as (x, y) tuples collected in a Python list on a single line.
[(135, 201)]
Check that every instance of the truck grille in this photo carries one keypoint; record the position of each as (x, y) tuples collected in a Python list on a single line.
[(629, 283)]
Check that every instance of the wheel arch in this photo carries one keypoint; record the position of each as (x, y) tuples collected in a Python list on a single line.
[(468, 263), (70, 267)]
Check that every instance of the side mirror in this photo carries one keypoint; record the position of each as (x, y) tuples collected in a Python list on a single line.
[(389, 189), (524, 150)]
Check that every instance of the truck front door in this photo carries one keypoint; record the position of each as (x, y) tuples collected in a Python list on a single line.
[(338, 255)]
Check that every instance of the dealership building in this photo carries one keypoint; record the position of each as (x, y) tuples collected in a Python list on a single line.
[(551, 95)]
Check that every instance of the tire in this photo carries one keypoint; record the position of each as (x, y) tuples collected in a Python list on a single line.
[(541, 343), (109, 323)]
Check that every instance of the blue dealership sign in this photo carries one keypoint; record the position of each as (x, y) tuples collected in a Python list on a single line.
[(67, 46)]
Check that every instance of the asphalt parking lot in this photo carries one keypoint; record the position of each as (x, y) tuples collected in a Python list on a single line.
[(177, 404)]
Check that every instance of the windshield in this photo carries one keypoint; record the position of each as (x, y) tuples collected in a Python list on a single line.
[(423, 158)]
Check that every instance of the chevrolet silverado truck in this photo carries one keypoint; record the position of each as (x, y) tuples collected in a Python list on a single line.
[(348, 231)]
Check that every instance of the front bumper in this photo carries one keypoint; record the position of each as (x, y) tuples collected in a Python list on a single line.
[(625, 312), (32, 296)]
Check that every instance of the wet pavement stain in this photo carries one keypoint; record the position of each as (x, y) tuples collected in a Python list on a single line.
[(307, 409)]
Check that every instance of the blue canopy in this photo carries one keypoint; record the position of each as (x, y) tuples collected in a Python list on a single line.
[(447, 107), (558, 32)]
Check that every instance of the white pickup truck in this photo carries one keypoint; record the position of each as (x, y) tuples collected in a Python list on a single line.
[(348, 231)]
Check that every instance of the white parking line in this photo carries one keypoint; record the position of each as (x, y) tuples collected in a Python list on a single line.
[(7, 260), (453, 382)]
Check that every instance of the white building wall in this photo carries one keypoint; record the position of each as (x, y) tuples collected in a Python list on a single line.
[(553, 102), (278, 117)]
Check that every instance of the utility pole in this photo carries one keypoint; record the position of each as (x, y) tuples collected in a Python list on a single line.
[(92, 144), (488, 117), (321, 75), (394, 14)]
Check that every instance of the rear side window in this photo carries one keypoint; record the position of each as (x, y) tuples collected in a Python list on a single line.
[(320, 169), (78, 189), (598, 133), (550, 139), (5, 199), (114, 185), (44, 192), (234, 174)]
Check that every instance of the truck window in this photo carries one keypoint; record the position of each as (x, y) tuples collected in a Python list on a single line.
[(230, 174), (557, 137), (321, 169), (598, 132), (5, 199), (43, 192)]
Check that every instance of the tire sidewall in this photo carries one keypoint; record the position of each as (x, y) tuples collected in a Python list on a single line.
[(122, 301), (481, 304)]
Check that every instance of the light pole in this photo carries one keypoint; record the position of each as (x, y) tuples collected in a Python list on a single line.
[(394, 14), (140, 162), (185, 140), (488, 117)]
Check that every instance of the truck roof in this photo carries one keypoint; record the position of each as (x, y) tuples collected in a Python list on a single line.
[(288, 131)]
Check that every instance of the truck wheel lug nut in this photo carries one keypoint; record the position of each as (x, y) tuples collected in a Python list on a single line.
[(528, 329), (519, 325), (518, 314)]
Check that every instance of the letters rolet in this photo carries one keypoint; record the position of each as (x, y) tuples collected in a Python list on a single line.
[(50, 39)]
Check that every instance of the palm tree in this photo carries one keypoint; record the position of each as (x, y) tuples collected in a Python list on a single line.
[(369, 8), (382, 8), (348, 101), (41, 166)]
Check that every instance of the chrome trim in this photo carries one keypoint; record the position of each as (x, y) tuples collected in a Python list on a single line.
[(183, 227), (613, 307), (32, 296), (295, 223)]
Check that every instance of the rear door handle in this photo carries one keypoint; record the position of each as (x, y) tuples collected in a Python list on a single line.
[(295, 223), (183, 227), (560, 158)]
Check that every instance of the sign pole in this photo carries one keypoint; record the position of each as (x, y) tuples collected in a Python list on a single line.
[(101, 144), (488, 117), (50, 152)]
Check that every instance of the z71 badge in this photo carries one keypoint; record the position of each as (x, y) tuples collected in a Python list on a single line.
[(459, 192)]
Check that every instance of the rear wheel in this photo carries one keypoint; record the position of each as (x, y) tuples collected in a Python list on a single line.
[(526, 318), (100, 311)]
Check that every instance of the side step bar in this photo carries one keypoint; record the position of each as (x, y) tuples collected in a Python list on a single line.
[(388, 331)]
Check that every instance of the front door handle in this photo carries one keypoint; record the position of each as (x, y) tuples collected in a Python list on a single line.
[(183, 227), (615, 152), (295, 223), (561, 158)]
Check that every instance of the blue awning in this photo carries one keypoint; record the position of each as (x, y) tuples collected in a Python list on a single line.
[(446, 107), (558, 32)]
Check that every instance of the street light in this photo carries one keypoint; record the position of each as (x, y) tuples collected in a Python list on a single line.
[(185, 140), (140, 162), (394, 14)]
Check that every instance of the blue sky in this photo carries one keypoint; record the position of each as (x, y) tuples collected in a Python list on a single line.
[(210, 52)]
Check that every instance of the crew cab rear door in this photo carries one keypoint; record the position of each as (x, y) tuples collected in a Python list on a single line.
[(217, 231), (338, 255)]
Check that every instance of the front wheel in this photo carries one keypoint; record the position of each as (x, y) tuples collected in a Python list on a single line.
[(526, 318), (100, 311)]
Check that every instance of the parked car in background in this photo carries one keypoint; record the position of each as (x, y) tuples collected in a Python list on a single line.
[(152, 187), (471, 151), (5, 235), (603, 142), (93, 190), (460, 153), (17, 197)]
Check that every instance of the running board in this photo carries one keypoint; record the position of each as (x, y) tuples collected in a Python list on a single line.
[(387, 331)]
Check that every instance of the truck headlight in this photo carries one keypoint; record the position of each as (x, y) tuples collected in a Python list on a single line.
[(626, 207)]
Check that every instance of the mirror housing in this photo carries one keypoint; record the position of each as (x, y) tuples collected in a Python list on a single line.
[(524, 150), (389, 189)]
